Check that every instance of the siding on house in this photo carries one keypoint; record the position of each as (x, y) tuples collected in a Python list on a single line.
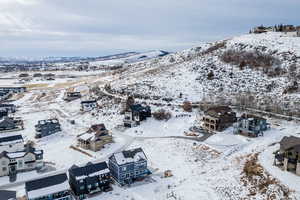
[(128, 166), (47, 127), (89, 179), (50, 188)]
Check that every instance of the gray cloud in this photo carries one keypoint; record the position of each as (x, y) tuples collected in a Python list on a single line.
[(93, 27)]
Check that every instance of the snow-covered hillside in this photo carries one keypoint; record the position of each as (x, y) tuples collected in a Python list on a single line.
[(201, 74)]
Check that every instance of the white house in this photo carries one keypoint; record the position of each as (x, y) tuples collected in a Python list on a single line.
[(11, 143), (20, 161)]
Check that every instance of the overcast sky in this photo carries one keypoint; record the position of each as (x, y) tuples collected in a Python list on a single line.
[(99, 27)]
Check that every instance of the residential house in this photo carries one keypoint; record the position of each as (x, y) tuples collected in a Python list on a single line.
[(128, 166), (4, 95), (89, 105), (11, 124), (50, 188), (251, 125), (8, 195), (89, 179), (47, 127), (11, 143), (95, 138), (298, 31), (3, 114), (288, 156), (218, 118), (12, 163), (13, 89), (135, 114), (71, 96), (10, 108), (260, 29)]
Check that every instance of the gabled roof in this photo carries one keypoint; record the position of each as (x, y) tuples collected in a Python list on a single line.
[(20, 154), (139, 108), (129, 156), (290, 142), (89, 170), (10, 138), (246, 115), (48, 185), (218, 111), (7, 122), (89, 101)]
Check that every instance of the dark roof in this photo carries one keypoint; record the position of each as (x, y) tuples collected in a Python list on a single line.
[(97, 127), (7, 122), (89, 168), (218, 111), (290, 142), (246, 115), (131, 153), (90, 101), (139, 108), (11, 138), (45, 182), (6, 194), (7, 105)]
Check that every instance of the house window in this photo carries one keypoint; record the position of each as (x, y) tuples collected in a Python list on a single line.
[(124, 168), (3, 162), (4, 169)]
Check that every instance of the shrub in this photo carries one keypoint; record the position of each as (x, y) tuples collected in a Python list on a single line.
[(252, 59), (162, 115), (210, 75), (187, 106)]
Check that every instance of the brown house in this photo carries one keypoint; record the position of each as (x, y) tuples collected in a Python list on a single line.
[(288, 156), (95, 138), (218, 118)]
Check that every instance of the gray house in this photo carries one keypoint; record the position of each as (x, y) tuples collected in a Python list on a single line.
[(128, 166), (47, 127), (251, 125), (49, 188)]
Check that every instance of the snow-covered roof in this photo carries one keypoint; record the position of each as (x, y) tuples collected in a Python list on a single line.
[(86, 136), (129, 156), (45, 186), (90, 170), (10, 139)]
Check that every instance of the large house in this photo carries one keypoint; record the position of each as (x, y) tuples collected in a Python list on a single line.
[(10, 108), (47, 127), (128, 166), (251, 125), (10, 124), (288, 156), (218, 118), (11, 143), (89, 105), (71, 96), (50, 188), (95, 138), (13, 89), (135, 114), (89, 179), (12, 163)]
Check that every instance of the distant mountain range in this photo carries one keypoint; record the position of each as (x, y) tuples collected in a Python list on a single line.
[(127, 56)]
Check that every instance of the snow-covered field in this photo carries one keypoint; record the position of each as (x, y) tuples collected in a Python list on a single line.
[(211, 169)]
